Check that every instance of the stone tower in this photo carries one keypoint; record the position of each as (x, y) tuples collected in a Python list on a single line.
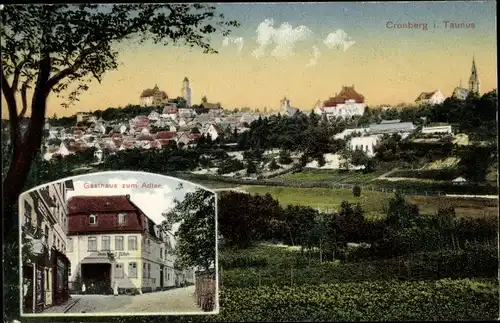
[(474, 79), (186, 91)]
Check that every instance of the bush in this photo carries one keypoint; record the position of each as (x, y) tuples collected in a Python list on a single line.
[(273, 165), (356, 191), (285, 157)]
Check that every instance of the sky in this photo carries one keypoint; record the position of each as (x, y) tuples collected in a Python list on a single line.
[(308, 51), (153, 202)]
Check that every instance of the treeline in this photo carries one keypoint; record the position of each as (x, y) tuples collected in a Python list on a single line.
[(247, 219)]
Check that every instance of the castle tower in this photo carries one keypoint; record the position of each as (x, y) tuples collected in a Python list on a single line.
[(186, 91), (474, 79)]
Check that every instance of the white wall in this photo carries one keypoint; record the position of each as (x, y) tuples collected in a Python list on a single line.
[(437, 129), (364, 143)]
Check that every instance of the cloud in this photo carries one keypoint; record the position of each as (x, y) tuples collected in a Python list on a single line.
[(339, 40), (314, 59), (281, 39), (237, 41)]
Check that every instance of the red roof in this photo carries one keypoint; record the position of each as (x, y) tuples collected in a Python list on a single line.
[(165, 135), (88, 204), (149, 138), (347, 93), (170, 110)]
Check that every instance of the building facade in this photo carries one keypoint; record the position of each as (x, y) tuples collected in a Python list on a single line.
[(434, 97), (116, 248), (346, 104), (153, 97), (44, 225)]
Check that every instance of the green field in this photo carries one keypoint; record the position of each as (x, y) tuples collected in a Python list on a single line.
[(330, 176), (327, 199), (372, 202)]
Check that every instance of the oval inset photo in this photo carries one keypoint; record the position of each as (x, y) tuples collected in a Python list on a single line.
[(118, 243)]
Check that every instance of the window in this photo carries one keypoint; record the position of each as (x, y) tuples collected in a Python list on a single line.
[(47, 281), (54, 240), (119, 270), (168, 273), (144, 271), (69, 243), (132, 243), (161, 253), (106, 243), (92, 244), (166, 254), (132, 270), (46, 234), (149, 246), (119, 243), (27, 213), (149, 270), (121, 218), (69, 271), (92, 219)]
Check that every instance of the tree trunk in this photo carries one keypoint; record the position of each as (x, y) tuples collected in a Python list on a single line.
[(17, 174)]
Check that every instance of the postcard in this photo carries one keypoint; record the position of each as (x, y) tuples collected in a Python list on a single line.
[(118, 243), (251, 161)]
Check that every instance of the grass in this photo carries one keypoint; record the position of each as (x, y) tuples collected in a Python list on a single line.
[(373, 203), (331, 176)]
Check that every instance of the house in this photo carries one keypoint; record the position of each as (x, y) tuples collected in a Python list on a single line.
[(170, 111), (437, 129), (44, 219), (165, 137), (346, 104), (434, 97), (62, 150), (154, 116), (367, 144), (144, 141), (184, 139), (213, 131), (153, 97), (392, 127), (111, 235), (460, 93), (83, 117), (98, 155), (287, 109), (139, 122), (186, 112)]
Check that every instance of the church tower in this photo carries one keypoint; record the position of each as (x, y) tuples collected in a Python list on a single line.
[(186, 91), (474, 79)]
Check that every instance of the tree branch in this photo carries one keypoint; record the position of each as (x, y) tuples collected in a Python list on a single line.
[(15, 131), (69, 70), (24, 100), (17, 73)]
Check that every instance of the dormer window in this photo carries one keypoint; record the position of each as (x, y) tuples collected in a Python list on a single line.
[(121, 218), (92, 219)]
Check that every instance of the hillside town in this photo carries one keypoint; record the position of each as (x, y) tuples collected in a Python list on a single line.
[(177, 122)]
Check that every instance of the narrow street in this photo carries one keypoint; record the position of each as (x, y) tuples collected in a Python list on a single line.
[(179, 300)]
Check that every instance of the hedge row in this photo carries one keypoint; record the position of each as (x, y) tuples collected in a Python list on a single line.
[(434, 174), (367, 301)]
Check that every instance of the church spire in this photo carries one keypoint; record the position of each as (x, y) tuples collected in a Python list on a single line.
[(474, 78)]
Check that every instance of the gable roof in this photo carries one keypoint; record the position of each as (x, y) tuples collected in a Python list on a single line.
[(425, 96), (88, 204), (165, 135)]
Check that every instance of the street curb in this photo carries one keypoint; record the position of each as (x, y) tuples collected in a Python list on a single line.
[(71, 305)]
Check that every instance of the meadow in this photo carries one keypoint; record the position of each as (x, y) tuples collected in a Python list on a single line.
[(373, 202), (330, 176)]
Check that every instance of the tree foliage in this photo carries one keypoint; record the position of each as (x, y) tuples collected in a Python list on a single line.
[(196, 236)]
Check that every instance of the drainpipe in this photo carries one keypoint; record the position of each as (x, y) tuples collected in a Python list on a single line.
[(34, 286)]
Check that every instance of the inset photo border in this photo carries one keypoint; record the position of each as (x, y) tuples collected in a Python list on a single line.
[(118, 243)]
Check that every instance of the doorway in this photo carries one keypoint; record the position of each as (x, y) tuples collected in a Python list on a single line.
[(97, 278)]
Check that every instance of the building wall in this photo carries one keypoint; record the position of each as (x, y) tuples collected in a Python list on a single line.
[(78, 251), (367, 144), (147, 101), (346, 110), (438, 129)]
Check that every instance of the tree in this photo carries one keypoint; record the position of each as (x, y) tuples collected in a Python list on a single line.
[(251, 168), (285, 157), (61, 48), (273, 165), (196, 236), (356, 191)]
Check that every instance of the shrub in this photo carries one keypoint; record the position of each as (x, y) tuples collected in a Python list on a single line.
[(285, 157), (356, 191), (273, 165)]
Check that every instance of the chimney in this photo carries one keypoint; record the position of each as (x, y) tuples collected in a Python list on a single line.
[(127, 196)]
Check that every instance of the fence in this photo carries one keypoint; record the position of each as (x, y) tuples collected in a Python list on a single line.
[(205, 286)]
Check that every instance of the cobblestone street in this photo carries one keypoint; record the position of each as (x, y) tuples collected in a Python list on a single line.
[(179, 300)]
